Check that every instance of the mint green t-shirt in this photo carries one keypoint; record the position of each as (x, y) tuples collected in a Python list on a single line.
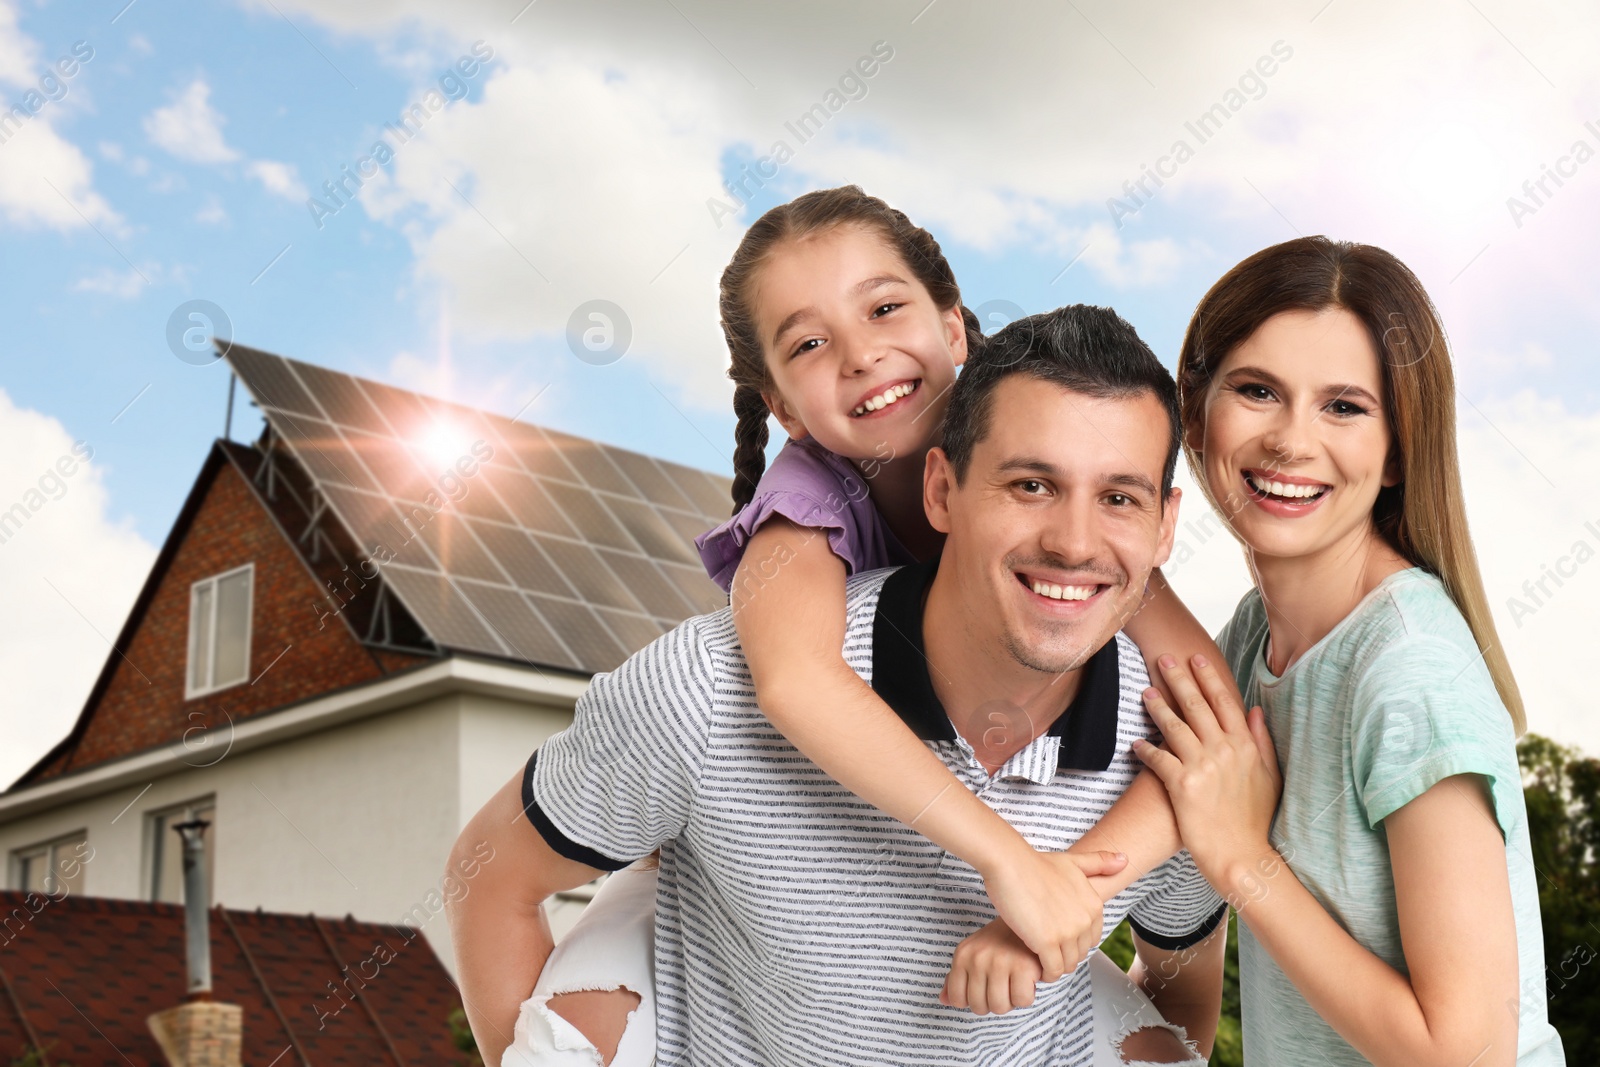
[(1395, 698)]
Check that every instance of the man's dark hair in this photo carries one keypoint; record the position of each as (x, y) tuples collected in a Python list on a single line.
[(1089, 350)]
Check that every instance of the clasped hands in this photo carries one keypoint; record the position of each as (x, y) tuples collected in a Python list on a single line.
[(1221, 773)]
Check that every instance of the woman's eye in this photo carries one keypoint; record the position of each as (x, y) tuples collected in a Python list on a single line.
[(1255, 392), (1346, 408)]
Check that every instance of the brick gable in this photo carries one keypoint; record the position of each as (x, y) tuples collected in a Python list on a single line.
[(298, 648)]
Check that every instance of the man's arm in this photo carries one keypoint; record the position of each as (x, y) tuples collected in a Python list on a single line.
[(1185, 984), (499, 929)]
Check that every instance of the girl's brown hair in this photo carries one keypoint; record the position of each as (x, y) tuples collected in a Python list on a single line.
[(801, 217), (1424, 517)]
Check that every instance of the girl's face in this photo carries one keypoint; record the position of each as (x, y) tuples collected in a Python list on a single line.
[(859, 355), (1295, 443)]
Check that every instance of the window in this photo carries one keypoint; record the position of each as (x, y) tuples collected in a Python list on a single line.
[(219, 631), (54, 867), (164, 849)]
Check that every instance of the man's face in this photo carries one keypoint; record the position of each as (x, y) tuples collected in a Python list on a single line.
[(1058, 522)]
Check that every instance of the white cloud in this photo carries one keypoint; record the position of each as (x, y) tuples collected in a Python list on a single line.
[(45, 180), (190, 128), (211, 213), (1527, 465), (124, 285), (280, 179), (72, 574)]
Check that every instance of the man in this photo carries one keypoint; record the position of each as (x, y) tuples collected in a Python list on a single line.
[(796, 923)]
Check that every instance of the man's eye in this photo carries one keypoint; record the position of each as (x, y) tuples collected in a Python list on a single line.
[(1031, 487), (1119, 500)]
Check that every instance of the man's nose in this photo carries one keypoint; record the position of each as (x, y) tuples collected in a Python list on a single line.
[(1070, 532)]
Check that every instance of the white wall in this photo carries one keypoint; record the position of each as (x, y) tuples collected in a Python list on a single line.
[(356, 819)]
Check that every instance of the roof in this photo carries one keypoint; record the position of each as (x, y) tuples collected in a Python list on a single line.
[(81, 974), (499, 537)]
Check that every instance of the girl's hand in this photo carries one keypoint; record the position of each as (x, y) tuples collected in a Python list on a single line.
[(993, 971), (1221, 770), (1047, 899)]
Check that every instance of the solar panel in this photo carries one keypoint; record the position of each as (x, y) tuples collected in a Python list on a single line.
[(554, 550)]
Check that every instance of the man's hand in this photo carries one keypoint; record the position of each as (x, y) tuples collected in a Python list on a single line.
[(1050, 907), (993, 971)]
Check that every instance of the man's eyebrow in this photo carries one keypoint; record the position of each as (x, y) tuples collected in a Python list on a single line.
[(861, 288), (1032, 465)]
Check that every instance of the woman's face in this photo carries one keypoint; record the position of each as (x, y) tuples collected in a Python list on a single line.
[(1295, 443), (860, 356)]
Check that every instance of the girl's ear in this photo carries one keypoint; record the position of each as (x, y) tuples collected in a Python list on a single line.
[(956, 334), (785, 415)]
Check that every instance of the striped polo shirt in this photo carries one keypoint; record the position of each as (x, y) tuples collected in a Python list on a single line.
[(797, 924)]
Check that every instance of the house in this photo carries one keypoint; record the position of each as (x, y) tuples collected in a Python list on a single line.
[(358, 628), (80, 976)]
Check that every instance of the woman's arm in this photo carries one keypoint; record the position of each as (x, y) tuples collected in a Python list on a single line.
[(1452, 891), (1164, 626), (1453, 894), (789, 609)]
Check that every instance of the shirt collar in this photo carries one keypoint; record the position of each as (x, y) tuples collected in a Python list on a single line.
[(1087, 728)]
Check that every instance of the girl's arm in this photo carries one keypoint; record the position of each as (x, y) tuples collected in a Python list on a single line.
[(788, 598), (1452, 891), (1140, 824)]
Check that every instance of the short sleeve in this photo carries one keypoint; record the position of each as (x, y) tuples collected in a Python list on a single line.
[(815, 489), (621, 779), (1426, 709), (1182, 911)]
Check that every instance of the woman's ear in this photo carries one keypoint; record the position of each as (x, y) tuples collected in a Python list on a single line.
[(785, 415), (1394, 469), (956, 334), (1194, 436)]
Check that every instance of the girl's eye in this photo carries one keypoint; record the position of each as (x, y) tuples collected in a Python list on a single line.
[(884, 308), (804, 346)]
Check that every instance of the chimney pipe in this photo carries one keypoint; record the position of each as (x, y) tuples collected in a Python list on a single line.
[(196, 907)]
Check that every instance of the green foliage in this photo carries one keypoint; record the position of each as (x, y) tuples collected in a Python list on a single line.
[(34, 1056), (461, 1037), (1562, 790)]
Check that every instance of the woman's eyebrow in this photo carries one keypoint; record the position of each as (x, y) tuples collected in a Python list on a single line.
[(1333, 391)]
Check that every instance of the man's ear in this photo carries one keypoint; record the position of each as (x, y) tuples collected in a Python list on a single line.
[(785, 415), (956, 334), (938, 481), (1169, 527)]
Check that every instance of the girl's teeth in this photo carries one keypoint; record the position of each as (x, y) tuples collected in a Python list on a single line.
[(1063, 592), (885, 398)]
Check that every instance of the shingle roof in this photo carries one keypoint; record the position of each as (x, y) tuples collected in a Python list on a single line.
[(81, 975), (554, 550)]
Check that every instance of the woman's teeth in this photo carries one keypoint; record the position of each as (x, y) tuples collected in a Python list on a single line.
[(1285, 490), (1064, 592), (887, 397)]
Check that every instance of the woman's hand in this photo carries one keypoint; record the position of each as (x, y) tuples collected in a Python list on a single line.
[(1220, 769), (1047, 899)]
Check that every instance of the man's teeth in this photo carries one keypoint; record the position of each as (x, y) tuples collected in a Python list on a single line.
[(1064, 592), (885, 398), (1293, 492)]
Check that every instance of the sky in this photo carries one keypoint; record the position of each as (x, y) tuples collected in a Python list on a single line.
[(253, 156)]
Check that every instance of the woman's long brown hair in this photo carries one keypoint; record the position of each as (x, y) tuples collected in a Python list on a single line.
[(801, 217), (1424, 517)]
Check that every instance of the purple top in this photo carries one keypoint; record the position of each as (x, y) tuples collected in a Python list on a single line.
[(809, 486)]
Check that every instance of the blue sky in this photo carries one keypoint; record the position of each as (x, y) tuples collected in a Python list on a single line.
[(577, 164)]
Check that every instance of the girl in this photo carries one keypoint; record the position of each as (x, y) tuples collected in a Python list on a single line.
[(1390, 912), (845, 322)]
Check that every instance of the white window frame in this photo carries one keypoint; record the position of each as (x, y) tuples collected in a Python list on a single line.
[(48, 851), (157, 840), (190, 690)]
